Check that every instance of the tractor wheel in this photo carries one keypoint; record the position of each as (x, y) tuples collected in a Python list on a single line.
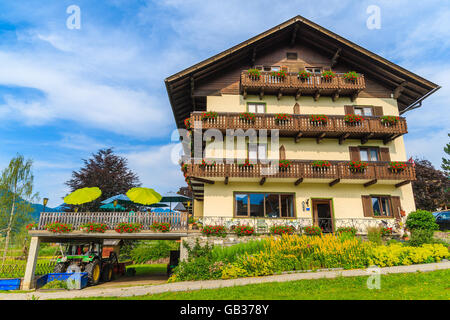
[(60, 268), (107, 273), (94, 271)]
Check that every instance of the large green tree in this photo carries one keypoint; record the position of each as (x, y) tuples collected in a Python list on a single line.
[(107, 171), (16, 195), (446, 161), (431, 186)]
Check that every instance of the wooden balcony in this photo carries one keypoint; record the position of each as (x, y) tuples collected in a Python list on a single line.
[(300, 126), (302, 171), (293, 85)]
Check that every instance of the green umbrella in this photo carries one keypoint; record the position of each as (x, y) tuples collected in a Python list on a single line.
[(145, 196), (110, 206), (83, 195)]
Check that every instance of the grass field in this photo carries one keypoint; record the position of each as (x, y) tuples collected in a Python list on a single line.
[(408, 286)]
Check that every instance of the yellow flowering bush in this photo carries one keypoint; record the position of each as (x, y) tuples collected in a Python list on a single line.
[(233, 271), (258, 264)]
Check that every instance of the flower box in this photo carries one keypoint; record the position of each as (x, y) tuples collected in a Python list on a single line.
[(282, 118), (389, 120), (57, 227), (282, 229), (247, 116), (312, 231), (353, 118), (209, 164), (245, 164), (184, 167), (31, 226), (254, 73), (187, 123), (397, 167), (304, 75), (351, 76), (125, 227), (94, 227), (357, 166), (328, 75), (209, 115), (160, 226), (284, 165), (279, 74), (218, 231), (244, 230), (325, 164), (318, 119)]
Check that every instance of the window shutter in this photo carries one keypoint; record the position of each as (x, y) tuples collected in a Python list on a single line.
[(367, 206), (349, 110), (296, 108), (378, 111), (354, 154), (396, 206), (384, 155), (282, 153)]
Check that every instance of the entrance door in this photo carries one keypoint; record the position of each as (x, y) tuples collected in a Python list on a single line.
[(322, 214)]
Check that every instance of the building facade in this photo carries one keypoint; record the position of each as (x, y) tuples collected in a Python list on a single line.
[(320, 125)]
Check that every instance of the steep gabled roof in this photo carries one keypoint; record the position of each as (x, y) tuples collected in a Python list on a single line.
[(410, 87)]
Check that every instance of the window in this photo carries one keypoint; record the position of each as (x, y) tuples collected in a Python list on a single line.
[(291, 55), (264, 205), (314, 70), (369, 154), (257, 151), (256, 107), (381, 206), (364, 111)]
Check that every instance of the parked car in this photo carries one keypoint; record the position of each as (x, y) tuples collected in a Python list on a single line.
[(443, 219)]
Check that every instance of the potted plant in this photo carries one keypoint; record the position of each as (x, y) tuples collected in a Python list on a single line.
[(32, 226), (397, 167), (317, 164), (328, 75), (244, 230), (279, 74), (247, 116), (209, 164), (385, 231), (284, 164), (318, 119), (312, 231), (126, 227), (254, 73), (94, 227), (245, 164), (304, 75), (351, 76), (282, 117), (187, 123), (217, 230), (160, 226), (184, 167), (57, 227), (209, 115), (282, 229), (353, 118), (389, 120), (357, 166)]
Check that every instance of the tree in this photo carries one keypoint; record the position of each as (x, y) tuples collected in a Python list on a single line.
[(431, 187), (446, 162), (107, 171), (16, 193)]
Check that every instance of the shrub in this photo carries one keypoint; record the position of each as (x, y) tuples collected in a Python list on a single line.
[(350, 230), (258, 264), (152, 250), (421, 219), (312, 231), (385, 231), (160, 226), (195, 269), (94, 227), (374, 234), (285, 229), (420, 237), (57, 227), (217, 231), (233, 271), (244, 230), (125, 227)]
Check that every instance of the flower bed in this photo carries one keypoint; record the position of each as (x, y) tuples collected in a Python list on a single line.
[(385, 231), (328, 75), (160, 226), (284, 164), (348, 230), (396, 166), (351, 76), (312, 231), (282, 117), (247, 116), (209, 115), (94, 227), (282, 229), (389, 120), (209, 164), (279, 74), (357, 166), (304, 75), (57, 227), (217, 231), (254, 73), (245, 164), (244, 230), (125, 227), (353, 118), (318, 118), (320, 164)]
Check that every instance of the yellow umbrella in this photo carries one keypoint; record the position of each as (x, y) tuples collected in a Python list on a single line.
[(145, 196), (83, 195)]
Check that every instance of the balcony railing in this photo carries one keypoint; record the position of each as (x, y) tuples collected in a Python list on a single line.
[(178, 221), (304, 169), (336, 126), (292, 83)]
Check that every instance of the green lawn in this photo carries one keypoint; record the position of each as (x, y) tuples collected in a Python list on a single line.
[(410, 286)]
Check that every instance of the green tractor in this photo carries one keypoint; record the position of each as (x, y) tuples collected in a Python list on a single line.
[(87, 257)]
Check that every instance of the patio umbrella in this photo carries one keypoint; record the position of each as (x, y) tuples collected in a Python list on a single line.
[(174, 197), (119, 197), (158, 205), (83, 195), (145, 196), (110, 206)]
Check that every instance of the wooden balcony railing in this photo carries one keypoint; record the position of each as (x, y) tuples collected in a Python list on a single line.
[(292, 84), (178, 221), (303, 169), (370, 127)]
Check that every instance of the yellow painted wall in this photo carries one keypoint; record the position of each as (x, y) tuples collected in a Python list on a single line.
[(198, 208)]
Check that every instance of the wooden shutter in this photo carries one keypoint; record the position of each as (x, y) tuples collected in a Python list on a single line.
[(349, 109), (282, 153), (384, 154), (354, 154), (296, 108), (378, 111), (367, 206), (396, 206)]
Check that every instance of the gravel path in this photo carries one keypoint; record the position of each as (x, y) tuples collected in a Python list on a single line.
[(213, 284)]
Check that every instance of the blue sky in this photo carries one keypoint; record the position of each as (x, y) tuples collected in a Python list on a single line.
[(66, 93)]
